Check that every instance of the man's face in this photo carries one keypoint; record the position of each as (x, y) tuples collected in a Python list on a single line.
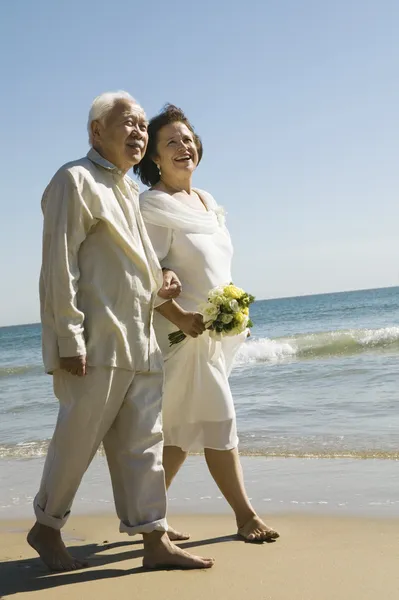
[(122, 137)]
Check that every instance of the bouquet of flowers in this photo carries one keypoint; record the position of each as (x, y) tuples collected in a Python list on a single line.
[(225, 313)]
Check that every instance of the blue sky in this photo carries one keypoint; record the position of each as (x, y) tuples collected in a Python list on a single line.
[(296, 102)]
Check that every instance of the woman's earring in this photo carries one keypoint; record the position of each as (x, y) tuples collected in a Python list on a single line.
[(159, 170)]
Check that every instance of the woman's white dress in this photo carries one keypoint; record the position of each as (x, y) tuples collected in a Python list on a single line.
[(198, 408)]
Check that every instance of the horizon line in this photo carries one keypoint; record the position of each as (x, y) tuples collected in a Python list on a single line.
[(387, 287)]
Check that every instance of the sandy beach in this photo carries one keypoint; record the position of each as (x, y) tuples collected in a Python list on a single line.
[(316, 558)]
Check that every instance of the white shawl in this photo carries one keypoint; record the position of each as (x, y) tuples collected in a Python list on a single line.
[(160, 208)]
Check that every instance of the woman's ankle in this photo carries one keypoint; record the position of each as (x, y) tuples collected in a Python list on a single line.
[(244, 516)]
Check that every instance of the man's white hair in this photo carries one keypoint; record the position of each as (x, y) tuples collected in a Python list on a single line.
[(103, 104)]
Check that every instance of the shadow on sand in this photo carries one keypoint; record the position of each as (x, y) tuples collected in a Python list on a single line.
[(29, 575)]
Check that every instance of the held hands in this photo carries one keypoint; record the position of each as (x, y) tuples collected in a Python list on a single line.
[(171, 287), (191, 323), (76, 365)]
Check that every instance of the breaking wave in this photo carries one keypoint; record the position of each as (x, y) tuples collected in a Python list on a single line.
[(319, 345)]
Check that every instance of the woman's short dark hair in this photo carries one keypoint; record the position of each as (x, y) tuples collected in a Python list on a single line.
[(147, 170)]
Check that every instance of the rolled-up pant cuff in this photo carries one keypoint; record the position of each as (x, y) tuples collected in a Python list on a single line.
[(45, 519), (160, 525)]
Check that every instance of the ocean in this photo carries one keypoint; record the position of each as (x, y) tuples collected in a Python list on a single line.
[(318, 379)]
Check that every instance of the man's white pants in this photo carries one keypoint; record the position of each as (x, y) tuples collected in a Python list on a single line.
[(123, 410)]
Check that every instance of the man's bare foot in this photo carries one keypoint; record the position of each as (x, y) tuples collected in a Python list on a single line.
[(160, 553), (49, 545), (255, 530), (176, 536)]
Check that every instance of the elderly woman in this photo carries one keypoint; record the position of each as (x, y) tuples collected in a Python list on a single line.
[(189, 235)]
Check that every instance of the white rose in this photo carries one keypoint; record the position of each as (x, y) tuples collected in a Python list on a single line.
[(217, 299), (210, 311), (226, 319), (234, 305), (221, 215), (217, 291)]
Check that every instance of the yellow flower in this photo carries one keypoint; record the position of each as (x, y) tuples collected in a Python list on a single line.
[(239, 318), (233, 292), (245, 311)]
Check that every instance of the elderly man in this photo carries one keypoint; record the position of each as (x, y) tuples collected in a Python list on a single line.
[(98, 289)]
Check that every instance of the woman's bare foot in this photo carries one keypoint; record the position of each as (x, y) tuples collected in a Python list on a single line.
[(49, 545), (255, 530), (176, 536), (160, 553)]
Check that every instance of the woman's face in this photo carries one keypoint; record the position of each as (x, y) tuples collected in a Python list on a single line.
[(177, 153)]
